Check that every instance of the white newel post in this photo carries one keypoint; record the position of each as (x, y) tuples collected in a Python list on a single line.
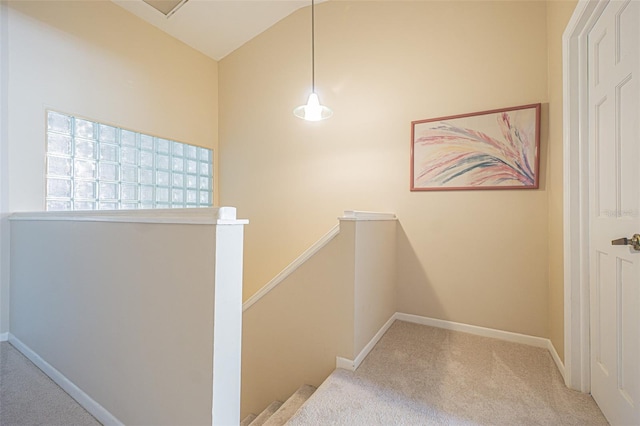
[(227, 328)]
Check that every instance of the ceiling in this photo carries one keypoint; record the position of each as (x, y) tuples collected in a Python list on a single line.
[(216, 27)]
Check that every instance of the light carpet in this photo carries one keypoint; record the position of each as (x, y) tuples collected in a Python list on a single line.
[(420, 375), (29, 397)]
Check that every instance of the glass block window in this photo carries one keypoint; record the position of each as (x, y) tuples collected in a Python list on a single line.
[(94, 166)]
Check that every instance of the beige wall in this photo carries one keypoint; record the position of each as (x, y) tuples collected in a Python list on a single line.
[(292, 335), (331, 306), (558, 15), (93, 59), (375, 279), (133, 332), (478, 257)]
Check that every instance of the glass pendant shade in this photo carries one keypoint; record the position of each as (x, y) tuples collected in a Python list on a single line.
[(313, 111)]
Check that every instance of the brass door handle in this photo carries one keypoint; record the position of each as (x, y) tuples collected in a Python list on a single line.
[(633, 241)]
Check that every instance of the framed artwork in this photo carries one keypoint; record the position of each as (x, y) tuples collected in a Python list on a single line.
[(497, 149)]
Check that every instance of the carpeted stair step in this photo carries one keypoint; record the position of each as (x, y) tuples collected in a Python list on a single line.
[(266, 413), (247, 420), (291, 406)]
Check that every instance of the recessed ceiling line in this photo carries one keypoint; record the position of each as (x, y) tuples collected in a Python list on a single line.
[(166, 7)]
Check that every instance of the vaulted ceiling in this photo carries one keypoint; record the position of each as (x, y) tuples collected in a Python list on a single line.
[(215, 27)]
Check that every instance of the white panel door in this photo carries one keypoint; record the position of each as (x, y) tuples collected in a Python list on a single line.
[(614, 192)]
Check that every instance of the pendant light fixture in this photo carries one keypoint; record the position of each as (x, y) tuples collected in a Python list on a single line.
[(313, 111)]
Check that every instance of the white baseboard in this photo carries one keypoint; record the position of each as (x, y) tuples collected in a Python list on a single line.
[(556, 358), (4, 337), (89, 404), (352, 365), (345, 363), (508, 336), (539, 342)]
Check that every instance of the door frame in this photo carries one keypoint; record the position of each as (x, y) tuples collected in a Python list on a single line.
[(577, 358), (4, 171)]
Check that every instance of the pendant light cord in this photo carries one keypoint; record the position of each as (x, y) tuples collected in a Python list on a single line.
[(313, 48), (313, 110)]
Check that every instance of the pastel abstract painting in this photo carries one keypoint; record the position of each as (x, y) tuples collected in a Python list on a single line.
[(496, 149)]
